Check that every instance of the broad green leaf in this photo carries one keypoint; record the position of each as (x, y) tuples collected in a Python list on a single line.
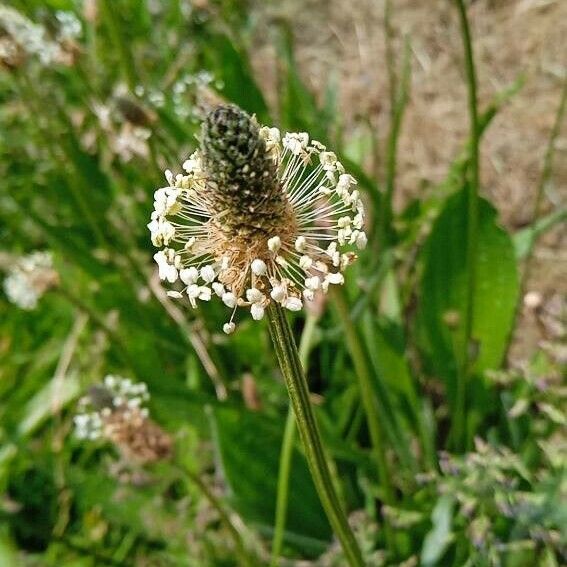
[(231, 66), (249, 445), (443, 290)]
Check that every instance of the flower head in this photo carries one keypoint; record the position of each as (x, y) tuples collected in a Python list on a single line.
[(256, 217), (29, 278), (114, 411)]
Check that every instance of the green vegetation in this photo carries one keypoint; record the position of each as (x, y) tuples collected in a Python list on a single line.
[(441, 451)]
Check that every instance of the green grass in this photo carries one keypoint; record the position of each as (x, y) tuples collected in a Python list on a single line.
[(440, 453)]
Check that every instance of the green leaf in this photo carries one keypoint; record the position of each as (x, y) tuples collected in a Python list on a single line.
[(439, 537), (232, 67), (56, 393), (525, 238), (248, 445), (443, 290)]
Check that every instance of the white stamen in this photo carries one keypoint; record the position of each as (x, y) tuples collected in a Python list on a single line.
[(229, 299), (257, 311), (254, 295), (293, 304), (258, 267), (274, 243), (208, 273)]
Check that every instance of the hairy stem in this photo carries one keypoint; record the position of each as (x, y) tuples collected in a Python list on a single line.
[(288, 442), (296, 383)]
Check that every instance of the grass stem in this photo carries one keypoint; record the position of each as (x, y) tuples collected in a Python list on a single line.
[(288, 358), (459, 434), (243, 557), (367, 393)]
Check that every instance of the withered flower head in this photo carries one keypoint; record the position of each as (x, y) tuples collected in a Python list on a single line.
[(29, 277), (114, 411), (256, 218)]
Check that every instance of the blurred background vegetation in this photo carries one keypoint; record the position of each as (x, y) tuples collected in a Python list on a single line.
[(98, 97)]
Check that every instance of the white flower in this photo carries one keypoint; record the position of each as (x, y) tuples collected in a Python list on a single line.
[(229, 299), (312, 283), (189, 275), (293, 304), (257, 311), (297, 239), (228, 328), (218, 288), (274, 244), (254, 295), (174, 294), (301, 244), (208, 273), (361, 240), (278, 293), (305, 262), (29, 278), (258, 267)]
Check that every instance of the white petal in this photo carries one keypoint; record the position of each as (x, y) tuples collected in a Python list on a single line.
[(254, 295), (174, 294), (312, 283), (300, 244), (258, 267), (278, 293), (228, 328), (171, 274), (305, 262), (293, 304), (205, 293), (189, 275), (229, 299), (361, 240), (309, 294), (257, 311), (193, 291), (274, 243), (218, 288), (336, 278), (208, 273)]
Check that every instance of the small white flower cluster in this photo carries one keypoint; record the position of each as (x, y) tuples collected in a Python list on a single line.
[(29, 278), (70, 26), (31, 38), (118, 394), (290, 266)]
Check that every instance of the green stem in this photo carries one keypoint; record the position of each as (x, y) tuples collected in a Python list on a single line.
[(288, 443), (367, 393), (544, 180), (288, 359), (243, 557), (117, 37), (466, 363)]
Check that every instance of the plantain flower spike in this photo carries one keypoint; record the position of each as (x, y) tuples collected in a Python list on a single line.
[(256, 217)]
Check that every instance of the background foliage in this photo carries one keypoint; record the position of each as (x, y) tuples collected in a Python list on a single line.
[(94, 105)]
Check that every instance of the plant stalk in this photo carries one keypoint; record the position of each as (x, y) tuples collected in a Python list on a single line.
[(288, 358), (367, 393), (459, 436), (243, 557), (288, 443)]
